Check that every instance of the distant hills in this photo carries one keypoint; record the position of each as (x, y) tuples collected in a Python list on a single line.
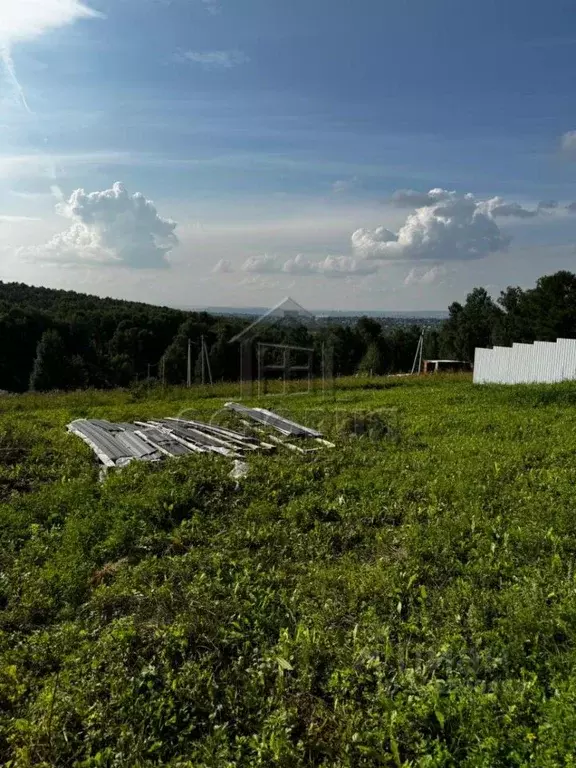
[(257, 311)]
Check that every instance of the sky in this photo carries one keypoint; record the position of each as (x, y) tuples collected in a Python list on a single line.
[(354, 155)]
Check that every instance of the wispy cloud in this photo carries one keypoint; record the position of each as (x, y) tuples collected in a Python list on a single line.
[(342, 186), (7, 63), (212, 6), (36, 165), (24, 20), (16, 219), (568, 142), (222, 267), (214, 59)]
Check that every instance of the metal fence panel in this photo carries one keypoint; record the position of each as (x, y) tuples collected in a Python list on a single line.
[(541, 362), (563, 355), (481, 365), (569, 371), (524, 354), (500, 360)]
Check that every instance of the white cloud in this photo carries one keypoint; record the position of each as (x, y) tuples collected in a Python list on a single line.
[(24, 20), (330, 266), (497, 206), (260, 265), (214, 59), (16, 219), (342, 186), (223, 266), (457, 227), (410, 198), (420, 276), (568, 141), (366, 241), (109, 227)]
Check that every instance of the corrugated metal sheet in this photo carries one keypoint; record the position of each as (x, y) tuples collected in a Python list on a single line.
[(270, 419), (543, 362), (116, 444)]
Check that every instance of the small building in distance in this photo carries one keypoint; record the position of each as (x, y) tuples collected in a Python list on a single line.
[(445, 366)]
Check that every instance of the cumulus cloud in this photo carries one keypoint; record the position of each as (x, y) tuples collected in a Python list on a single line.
[(410, 198), (568, 141), (497, 206), (571, 207), (365, 241), (330, 266), (548, 205), (420, 276), (455, 227), (264, 264), (214, 59), (24, 20), (223, 266), (110, 227)]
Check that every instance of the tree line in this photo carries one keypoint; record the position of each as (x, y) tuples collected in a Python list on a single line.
[(52, 339)]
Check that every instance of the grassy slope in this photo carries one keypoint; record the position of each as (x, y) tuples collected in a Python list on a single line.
[(394, 602)]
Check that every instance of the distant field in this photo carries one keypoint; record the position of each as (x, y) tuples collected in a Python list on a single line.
[(407, 599)]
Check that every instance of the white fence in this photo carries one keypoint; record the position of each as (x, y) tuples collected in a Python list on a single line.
[(541, 362)]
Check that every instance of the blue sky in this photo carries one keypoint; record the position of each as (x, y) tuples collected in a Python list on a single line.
[(272, 132)]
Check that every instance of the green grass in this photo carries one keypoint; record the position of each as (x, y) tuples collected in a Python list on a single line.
[(408, 599)]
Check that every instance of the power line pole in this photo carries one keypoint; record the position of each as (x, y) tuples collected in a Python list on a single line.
[(418, 355), (202, 359), (208, 364), (421, 351), (189, 368)]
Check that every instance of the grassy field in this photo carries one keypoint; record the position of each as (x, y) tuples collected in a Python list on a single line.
[(408, 599)]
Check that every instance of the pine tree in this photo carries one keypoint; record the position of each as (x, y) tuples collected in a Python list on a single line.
[(50, 369)]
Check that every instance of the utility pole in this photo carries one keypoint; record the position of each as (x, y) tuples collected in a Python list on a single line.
[(208, 364), (421, 352), (202, 358), (418, 355), (189, 368)]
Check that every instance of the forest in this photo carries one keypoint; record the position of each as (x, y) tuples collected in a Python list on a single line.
[(63, 340)]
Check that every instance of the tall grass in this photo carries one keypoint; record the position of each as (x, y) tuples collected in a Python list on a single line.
[(406, 599)]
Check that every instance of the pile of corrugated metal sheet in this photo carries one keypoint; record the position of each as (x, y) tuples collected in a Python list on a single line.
[(114, 445), (270, 419), (118, 444), (543, 362), (282, 425)]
